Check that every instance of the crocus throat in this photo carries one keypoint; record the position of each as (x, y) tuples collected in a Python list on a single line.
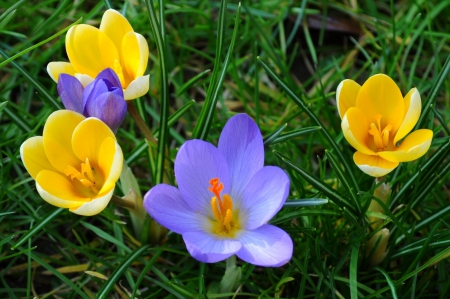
[(380, 137), (86, 176), (222, 208)]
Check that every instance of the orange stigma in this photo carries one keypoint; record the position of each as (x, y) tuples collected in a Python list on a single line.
[(222, 209)]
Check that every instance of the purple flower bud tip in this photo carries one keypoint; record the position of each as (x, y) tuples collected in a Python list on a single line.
[(70, 91)]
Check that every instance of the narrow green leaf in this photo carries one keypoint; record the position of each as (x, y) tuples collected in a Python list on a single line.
[(208, 110), (441, 120), (3, 105), (104, 235), (295, 133), (389, 281), (62, 277), (434, 92), (314, 118), (145, 271), (5, 18), (428, 186), (273, 135), (38, 227), (307, 202), (43, 92), (158, 32), (192, 81), (425, 170), (354, 271), (430, 262), (117, 273), (324, 188), (3, 63), (343, 178)]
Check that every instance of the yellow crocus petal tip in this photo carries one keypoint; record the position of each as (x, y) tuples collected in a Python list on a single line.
[(95, 206), (137, 88), (54, 69), (346, 94), (373, 165)]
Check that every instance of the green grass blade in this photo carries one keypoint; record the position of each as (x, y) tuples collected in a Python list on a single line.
[(201, 130), (389, 281), (158, 33), (307, 202), (37, 227), (3, 63), (324, 188), (314, 118), (273, 135), (295, 133), (44, 93), (354, 271), (434, 92), (114, 277)]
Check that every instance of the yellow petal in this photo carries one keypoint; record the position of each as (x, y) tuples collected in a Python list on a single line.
[(33, 156), (59, 67), (90, 50), (413, 106), (57, 138), (110, 162), (84, 79), (356, 130), (95, 206), (137, 88), (57, 190), (413, 147), (88, 137), (346, 94), (135, 55), (379, 95), (115, 26), (373, 165)]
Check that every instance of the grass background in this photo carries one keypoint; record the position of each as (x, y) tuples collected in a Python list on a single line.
[(305, 49)]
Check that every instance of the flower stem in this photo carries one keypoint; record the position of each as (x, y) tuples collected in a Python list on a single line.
[(231, 262), (145, 130), (123, 203)]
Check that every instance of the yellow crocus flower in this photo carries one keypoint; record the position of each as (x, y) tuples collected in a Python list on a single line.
[(375, 117), (114, 45), (76, 163)]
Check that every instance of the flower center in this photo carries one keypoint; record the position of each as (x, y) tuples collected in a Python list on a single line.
[(87, 176), (225, 224), (380, 137)]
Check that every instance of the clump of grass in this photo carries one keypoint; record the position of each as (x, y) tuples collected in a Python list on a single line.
[(278, 61)]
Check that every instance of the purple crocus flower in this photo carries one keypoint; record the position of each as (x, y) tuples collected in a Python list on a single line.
[(225, 197), (102, 98)]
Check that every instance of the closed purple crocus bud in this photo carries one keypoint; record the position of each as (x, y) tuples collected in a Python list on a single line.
[(103, 98)]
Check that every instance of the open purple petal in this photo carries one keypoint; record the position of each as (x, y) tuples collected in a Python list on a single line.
[(92, 91), (166, 205), (267, 246), (198, 162), (108, 107), (242, 145), (264, 196), (112, 79), (70, 91), (208, 248)]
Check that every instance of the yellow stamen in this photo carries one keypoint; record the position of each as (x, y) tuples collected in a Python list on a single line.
[(222, 209), (215, 209), (380, 137), (86, 176)]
